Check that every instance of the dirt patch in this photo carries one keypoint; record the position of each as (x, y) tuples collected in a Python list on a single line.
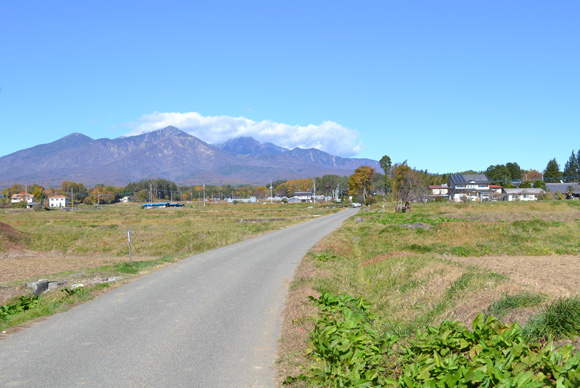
[(11, 238), (553, 275), (21, 265)]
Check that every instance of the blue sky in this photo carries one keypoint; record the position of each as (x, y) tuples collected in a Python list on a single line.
[(446, 85)]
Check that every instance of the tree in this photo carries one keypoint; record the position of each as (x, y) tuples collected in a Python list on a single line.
[(532, 175), (572, 168), (399, 170), (413, 187), (498, 173), (552, 172), (360, 182), (540, 184), (525, 185), (385, 163), (515, 171)]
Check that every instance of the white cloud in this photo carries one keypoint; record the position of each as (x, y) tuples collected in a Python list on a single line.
[(329, 136)]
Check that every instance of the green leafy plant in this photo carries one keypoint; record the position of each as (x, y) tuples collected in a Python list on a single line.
[(23, 303), (324, 257), (349, 352)]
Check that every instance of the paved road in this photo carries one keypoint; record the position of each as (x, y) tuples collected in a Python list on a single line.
[(211, 320)]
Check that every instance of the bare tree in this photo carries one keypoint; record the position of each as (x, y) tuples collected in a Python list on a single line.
[(413, 188)]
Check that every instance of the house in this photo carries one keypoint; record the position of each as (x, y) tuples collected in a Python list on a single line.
[(58, 201), (563, 188), (23, 197), (439, 190), (303, 196), (244, 200), (524, 194), (470, 187), (161, 205)]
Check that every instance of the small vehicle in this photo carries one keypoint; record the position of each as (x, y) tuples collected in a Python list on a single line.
[(356, 204)]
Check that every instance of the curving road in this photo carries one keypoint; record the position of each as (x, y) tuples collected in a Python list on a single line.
[(211, 320)]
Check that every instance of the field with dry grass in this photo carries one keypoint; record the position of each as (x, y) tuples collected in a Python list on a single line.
[(58, 243), (442, 261)]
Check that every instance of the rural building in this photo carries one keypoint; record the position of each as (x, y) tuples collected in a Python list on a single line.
[(245, 200), (524, 194), (303, 196), (155, 205), (564, 188), (23, 197), (439, 190), (125, 199), (58, 201), (471, 187)]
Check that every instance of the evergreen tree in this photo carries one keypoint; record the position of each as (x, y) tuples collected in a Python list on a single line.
[(515, 170), (385, 163), (571, 169), (552, 172)]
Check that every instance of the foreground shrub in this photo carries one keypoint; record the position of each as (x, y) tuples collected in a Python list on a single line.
[(349, 352)]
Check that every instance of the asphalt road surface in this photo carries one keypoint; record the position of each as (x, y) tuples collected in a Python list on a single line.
[(211, 320)]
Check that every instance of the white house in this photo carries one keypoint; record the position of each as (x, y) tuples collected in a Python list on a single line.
[(439, 190), (524, 194), (23, 197), (472, 187), (58, 201)]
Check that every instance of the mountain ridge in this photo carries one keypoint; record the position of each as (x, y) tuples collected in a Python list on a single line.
[(168, 153)]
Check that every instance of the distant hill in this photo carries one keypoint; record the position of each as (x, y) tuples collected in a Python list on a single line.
[(168, 153)]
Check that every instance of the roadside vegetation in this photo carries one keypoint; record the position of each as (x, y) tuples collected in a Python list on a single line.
[(88, 243), (429, 298)]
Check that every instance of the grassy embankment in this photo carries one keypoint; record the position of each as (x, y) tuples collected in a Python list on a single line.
[(420, 269), (91, 242)]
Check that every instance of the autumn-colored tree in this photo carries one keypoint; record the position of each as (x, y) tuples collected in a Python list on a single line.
[(532, 175), (360, 182)]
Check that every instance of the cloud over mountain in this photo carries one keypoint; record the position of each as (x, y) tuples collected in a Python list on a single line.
[(328, 136)]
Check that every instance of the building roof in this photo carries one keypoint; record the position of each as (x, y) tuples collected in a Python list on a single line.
[(563, 187), (470, 179), (22, 195), (58, 196), (443, 186), (524, 191), (495, 187)]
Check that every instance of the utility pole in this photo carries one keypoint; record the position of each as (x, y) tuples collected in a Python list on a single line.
[(72, 200), (150, 190), (271, 194), (204, 195), (314, 186)]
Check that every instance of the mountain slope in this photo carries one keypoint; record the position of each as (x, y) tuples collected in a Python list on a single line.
[(168, 153)]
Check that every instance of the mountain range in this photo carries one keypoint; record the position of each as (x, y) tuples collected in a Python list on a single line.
[(171, 154)]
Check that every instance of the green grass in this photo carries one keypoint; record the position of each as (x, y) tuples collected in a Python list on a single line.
[(560, 319), (508, 303)]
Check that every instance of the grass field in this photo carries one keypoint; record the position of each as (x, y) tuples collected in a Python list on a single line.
[(77, 246), (442, 261)]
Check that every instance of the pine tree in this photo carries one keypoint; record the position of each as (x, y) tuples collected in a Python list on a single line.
[(552, 172), (571, 169)]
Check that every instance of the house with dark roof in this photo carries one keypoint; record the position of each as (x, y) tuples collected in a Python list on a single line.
[(469, 187), (564, 188)]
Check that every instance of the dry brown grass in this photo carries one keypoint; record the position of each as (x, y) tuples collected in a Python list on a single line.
[(558, 276)]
